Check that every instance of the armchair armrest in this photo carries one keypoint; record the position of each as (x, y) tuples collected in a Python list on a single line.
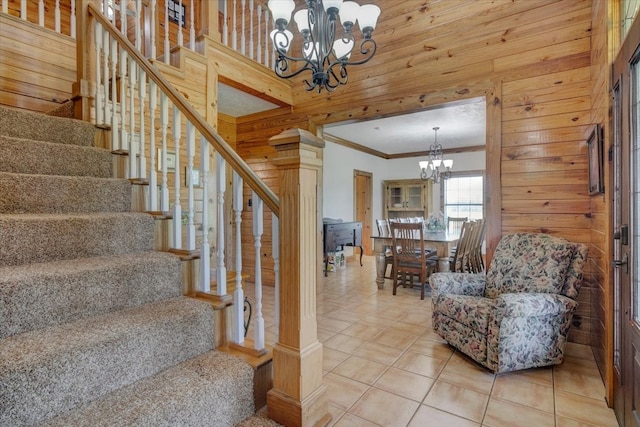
[(458, 283), (538, 304)]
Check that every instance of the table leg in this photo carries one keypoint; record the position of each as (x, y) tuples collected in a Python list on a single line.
[(443, 264), (380, 268)]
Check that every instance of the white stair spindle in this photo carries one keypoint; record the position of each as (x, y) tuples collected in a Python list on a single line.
[(41, 13), (191, 228), (205, 255), (105, 81), (225, 23), (133, 144), (142, 95), (73, 19), (153, 177), (153, 29), (180, 36), (56, 16), (258, 325), (221, 270), (166, 32), (259, 32), (124, 136), (250, 29), (5, 6), (99, 101), (177, 207), (164, 124), (192, 29), (123, 17), (238, 294), (23, 9), (234, 31), (115, 126), (243, 37), (138, 30), (275, 249)]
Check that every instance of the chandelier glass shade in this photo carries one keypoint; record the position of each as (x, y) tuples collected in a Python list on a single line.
[(436, 167), (324, 54)]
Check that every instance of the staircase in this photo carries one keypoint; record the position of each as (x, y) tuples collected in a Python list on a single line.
[(93, 327)]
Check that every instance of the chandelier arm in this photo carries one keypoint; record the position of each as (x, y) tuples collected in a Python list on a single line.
[(370, 51), (282, 65)]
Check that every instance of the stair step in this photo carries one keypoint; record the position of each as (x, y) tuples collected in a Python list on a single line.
[(46, 372), (211, 389), (48, 158), (20, 193), (41, 295), (31, 238), (42, 127)]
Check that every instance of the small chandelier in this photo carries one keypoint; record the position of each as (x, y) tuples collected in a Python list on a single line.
[(324, 55), (435, 167)]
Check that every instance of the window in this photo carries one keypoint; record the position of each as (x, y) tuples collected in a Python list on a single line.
[(463, 195)]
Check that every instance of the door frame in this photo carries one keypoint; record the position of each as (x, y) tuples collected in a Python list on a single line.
[(367, 222)]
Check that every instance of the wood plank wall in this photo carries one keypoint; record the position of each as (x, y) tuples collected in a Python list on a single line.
[(536, 53)]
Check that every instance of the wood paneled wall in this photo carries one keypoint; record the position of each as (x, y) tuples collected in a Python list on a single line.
[(532, 62)]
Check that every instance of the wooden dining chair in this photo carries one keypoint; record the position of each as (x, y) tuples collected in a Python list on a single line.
[(459, 260), (409, 258), (454, 224), (385, 231), (476, 260)]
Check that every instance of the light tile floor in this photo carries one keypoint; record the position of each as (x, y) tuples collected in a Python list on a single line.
[(384, 366)]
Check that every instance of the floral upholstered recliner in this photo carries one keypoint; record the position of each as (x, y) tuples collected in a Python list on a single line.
[(518, 315)]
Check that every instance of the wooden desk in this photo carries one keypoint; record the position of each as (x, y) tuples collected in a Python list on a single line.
[(341, 234), (441, 240)]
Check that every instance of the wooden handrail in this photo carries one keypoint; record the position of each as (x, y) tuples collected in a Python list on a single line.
[(210, 134)]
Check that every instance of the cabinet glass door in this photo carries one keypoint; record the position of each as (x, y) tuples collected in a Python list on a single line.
[(395, 197), (414, 197)]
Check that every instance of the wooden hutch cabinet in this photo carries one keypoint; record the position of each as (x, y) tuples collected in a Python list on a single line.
[(407, 198)]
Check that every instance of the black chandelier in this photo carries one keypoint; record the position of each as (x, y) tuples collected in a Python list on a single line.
[(324, 55), (436, 167)]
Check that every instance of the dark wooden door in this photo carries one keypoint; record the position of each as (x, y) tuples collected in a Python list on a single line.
[(626, 219), (363, 189)]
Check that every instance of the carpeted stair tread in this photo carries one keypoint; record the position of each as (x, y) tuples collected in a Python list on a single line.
[(34, 296), (49, 158), (29, 238), (20, 193), (213, 389), (42, 127), (49, 371)]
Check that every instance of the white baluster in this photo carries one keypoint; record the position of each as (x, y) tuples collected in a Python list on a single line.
[(138, 30), (164, 123), (221, 270), (180, 36), (192, 29), (266, 37), (123, 17), (23, 9), (166, 32), (115, 126), (238, 294), (133, 146), (225, 23), (275, 249), (258, 325), (259, 53), (153, 29), (142, 95), (191, 228), (105, 81), (41, 13), (250, 29), (177, 208), (234, 31), (56, 15), (124, 136), (153, 178), (243, 37), (73, 19), (5, 6), (205, 255), (99, 101)]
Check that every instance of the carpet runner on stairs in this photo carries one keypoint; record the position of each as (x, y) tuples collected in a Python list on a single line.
[(94, 330)]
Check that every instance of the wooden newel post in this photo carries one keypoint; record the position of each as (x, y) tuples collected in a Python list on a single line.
[(83, 89), (298, 396)]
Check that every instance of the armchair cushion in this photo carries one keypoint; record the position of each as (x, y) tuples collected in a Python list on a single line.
[(470, 311), (533, 305), (457, 283), (529, 262)]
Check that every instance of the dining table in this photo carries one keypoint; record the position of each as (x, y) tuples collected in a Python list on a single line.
[(442, 241)]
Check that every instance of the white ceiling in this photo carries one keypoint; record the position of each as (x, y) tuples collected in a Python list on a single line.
[(461, 124)]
